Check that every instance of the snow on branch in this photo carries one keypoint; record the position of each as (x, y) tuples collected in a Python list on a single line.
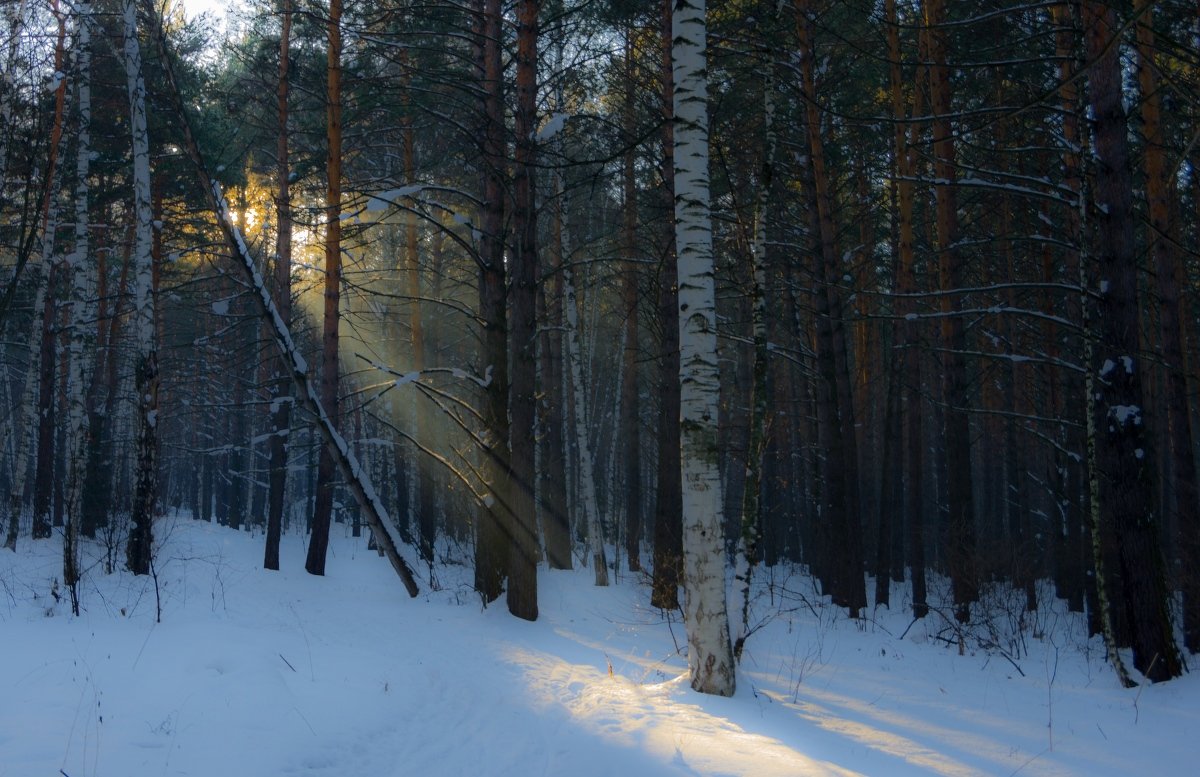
[(348, 465)]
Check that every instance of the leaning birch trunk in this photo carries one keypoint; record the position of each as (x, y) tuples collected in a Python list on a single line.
[(306, 392), (587, 481), (747, 550), (79, 268), (710, 655), (141, 536)]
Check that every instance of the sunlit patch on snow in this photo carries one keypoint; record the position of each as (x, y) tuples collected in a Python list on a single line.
[(660, 719)]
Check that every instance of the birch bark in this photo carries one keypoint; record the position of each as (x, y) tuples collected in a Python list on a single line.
[(44, 333), (359, 485), (747, 549), (25, 419), (141, 535), (587, 480), (80, 270), (710, 655), (16, 22)]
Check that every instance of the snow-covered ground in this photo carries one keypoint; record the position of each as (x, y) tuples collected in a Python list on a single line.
[(261, 673)]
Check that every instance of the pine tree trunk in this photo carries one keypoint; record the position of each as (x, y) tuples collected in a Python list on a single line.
[(889, 547), (904, 152), (523, 545), (710, 654), (206, 489), (1026, 555), (960, 553), (552, 423), (668, 536), (1068, 474), (835, 390), (630, 401), (1168, 274), (425, 507), (890, 489), (360, 487), (491, 544), (281, 403), (1122, 456), (318, 542), (403, 457)]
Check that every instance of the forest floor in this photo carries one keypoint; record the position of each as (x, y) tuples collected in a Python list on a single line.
[(260, 673)]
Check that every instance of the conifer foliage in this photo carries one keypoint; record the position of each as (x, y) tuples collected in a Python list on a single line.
[(883, 293)]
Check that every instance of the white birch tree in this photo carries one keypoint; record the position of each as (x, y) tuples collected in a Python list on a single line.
[(146, 365), (306, 392), (25, 416), (81, 271), (22, 423), (587, 482), (747, 548), (578, 424), (15, 18), (710, 654)]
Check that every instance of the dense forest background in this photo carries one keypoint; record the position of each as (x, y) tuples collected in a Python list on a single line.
[(954, 258)]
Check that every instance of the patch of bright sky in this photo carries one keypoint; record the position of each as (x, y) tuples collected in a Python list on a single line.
[(215, 8)]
